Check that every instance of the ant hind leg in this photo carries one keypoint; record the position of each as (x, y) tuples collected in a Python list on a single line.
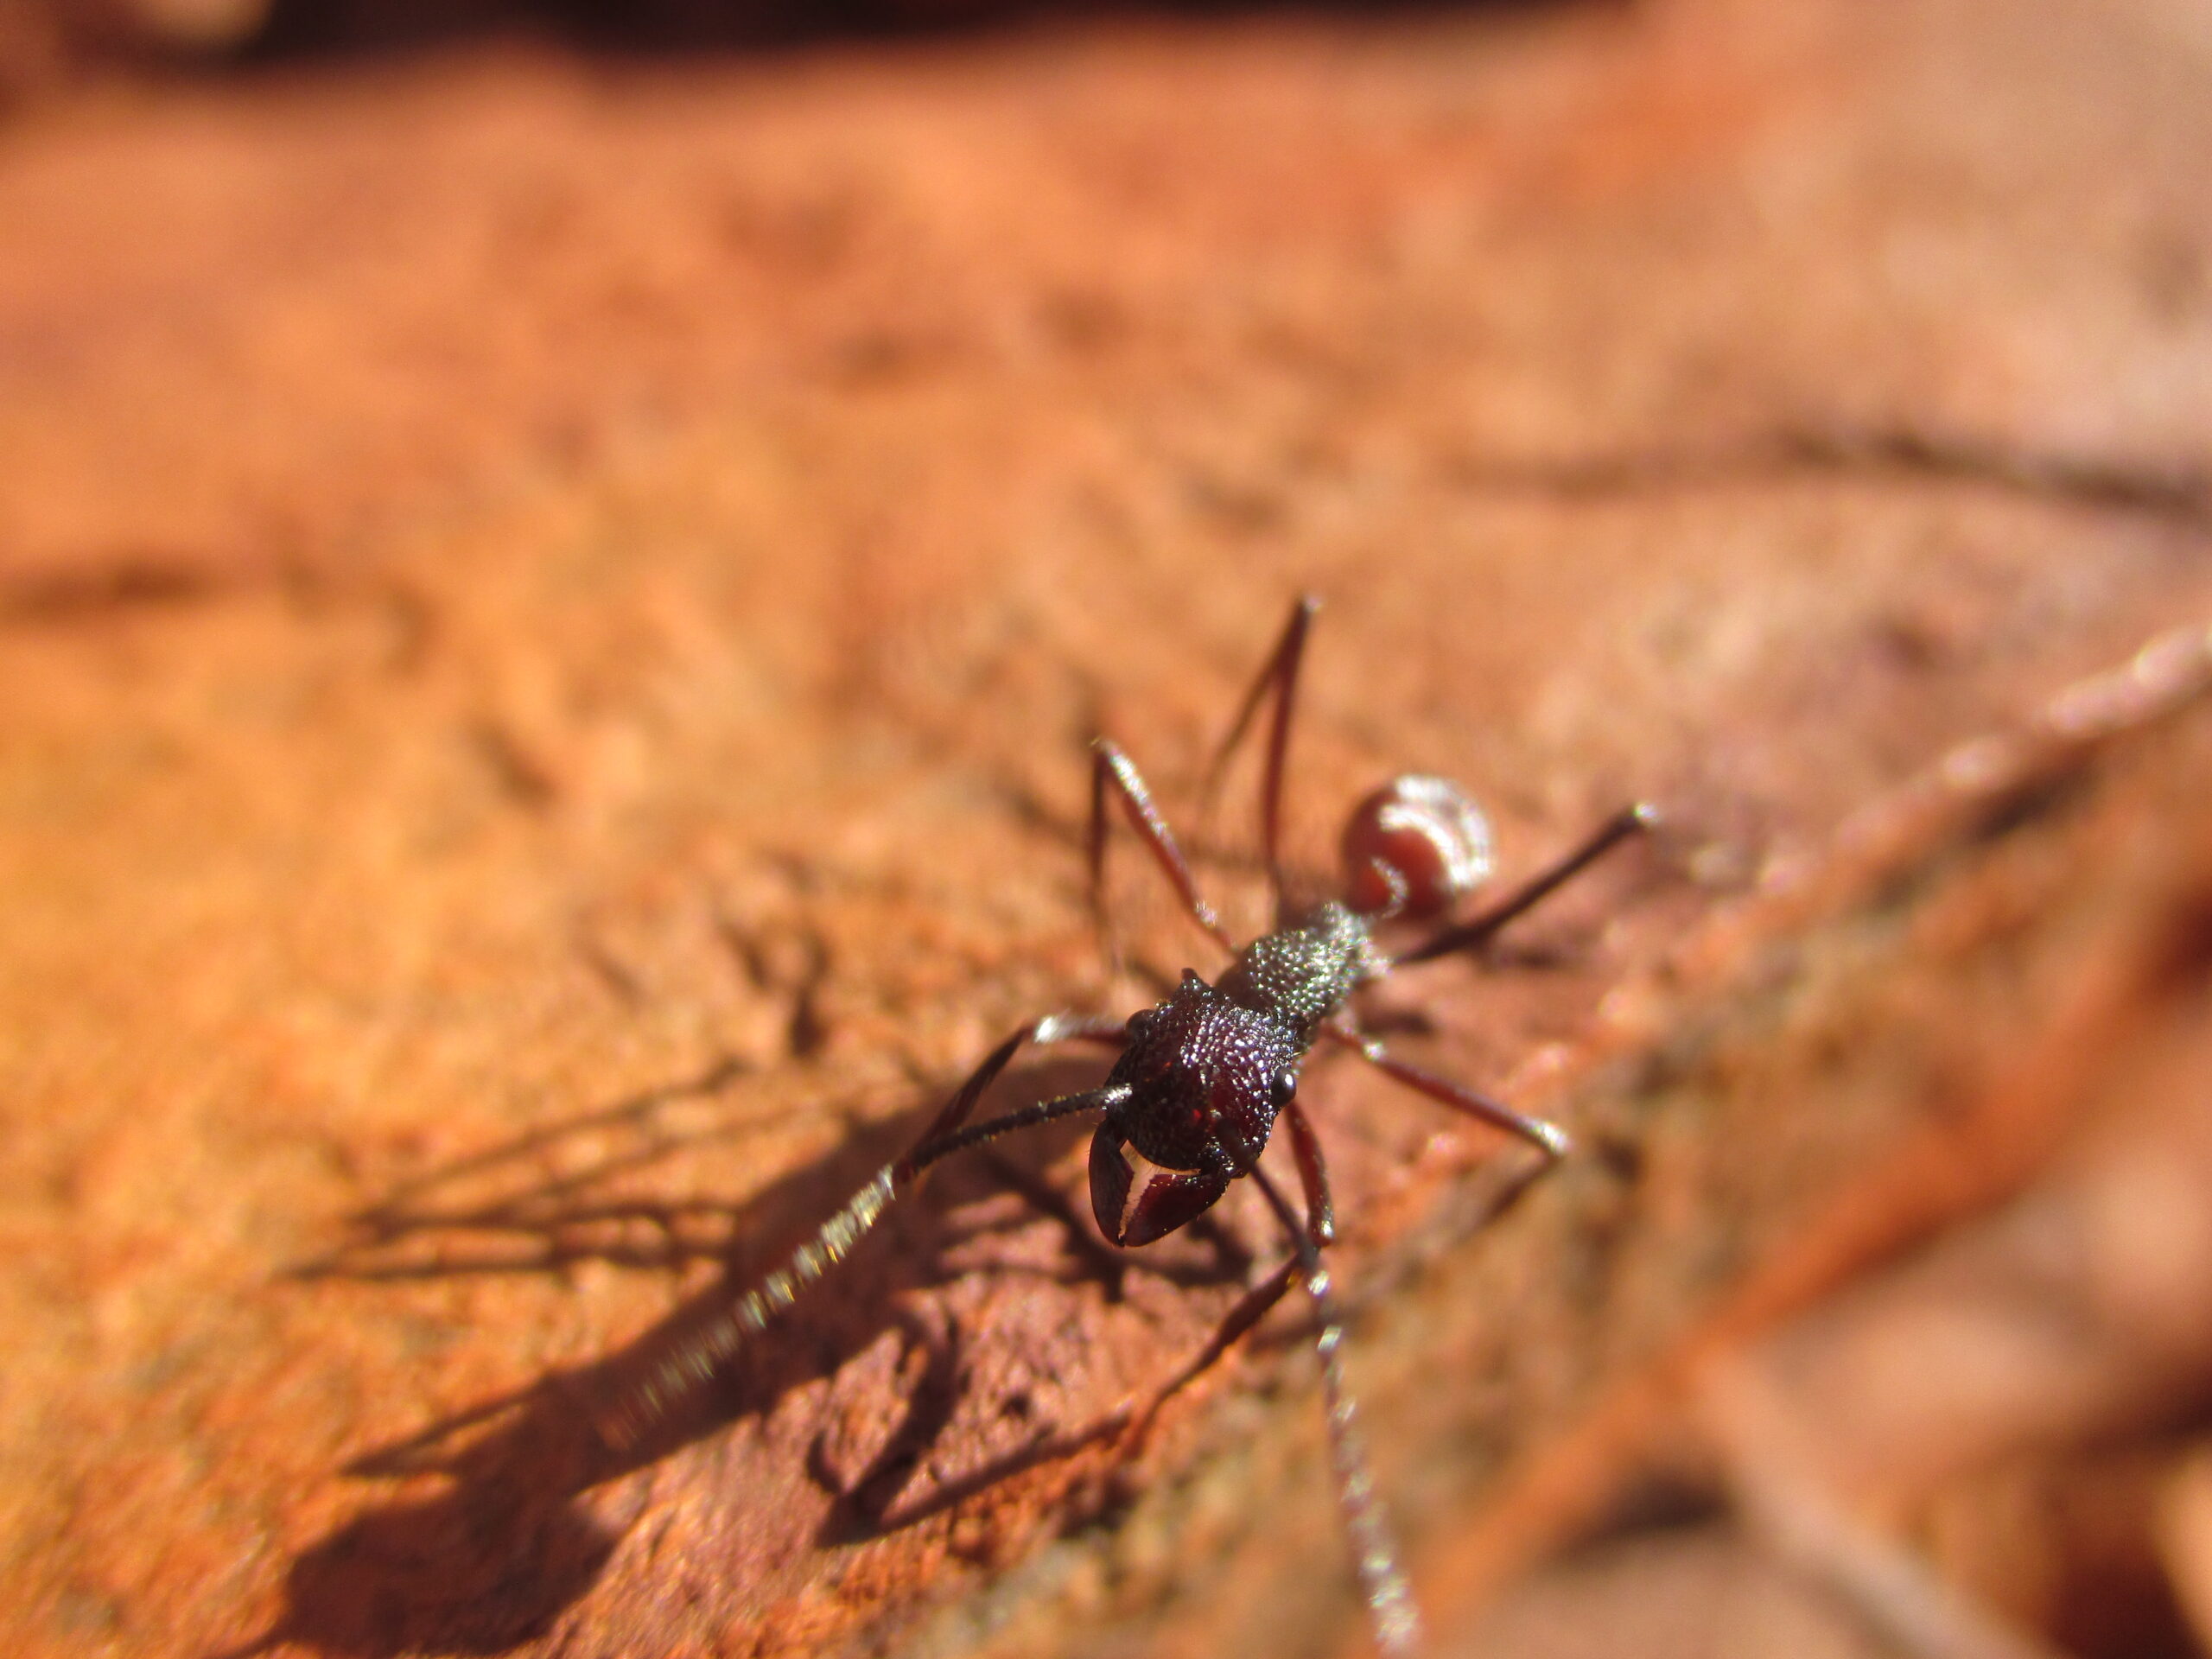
[(1278, 677), (1639, 819)]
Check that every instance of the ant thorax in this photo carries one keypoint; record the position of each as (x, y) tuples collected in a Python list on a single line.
[(1303, 974)]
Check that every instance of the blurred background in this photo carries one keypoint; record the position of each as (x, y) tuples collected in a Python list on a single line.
[(558, 563)]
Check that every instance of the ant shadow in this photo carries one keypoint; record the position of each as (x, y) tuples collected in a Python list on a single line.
[(513, 1539)]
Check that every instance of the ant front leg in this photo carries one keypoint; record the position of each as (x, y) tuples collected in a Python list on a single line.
[(1383, 1582), (945, 1136), (1279, 677), (1313, 1175), (1541, 1133), (1113, 771), (1374, 1555), (1320, 1230), (703, 1353)]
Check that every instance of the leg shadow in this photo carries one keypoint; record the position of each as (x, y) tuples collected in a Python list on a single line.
[(515, 1537)]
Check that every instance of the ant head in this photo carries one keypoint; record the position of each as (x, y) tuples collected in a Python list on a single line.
[(1413, 847), (1205, 1078)]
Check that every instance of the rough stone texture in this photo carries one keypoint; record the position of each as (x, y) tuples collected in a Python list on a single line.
[(548, 610)]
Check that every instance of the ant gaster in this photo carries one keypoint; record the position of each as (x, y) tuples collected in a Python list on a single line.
[(1203, 1076)]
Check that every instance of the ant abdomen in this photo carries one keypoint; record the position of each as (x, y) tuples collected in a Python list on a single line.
[(1413, 847)]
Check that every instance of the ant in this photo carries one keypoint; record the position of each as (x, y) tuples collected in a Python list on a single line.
[(1204, 1076)]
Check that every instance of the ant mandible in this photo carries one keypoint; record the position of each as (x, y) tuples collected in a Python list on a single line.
[(1204, 1076)]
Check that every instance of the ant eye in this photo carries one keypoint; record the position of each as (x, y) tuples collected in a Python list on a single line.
[(1286, 1087)]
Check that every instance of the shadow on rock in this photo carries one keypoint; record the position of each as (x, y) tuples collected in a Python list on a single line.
[(513, 1540)]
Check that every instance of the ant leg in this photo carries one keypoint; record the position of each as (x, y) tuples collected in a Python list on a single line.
[(703, 1353), (1545, 1135), (1629, 821), (1279, 675), (1313, 1175), (1052, 1028), (1112, 768), (1250, 1309), (1381, 1581), (1320, 1230), (1089, 1100)]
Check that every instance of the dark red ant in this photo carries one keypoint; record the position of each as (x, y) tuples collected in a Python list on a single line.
[(1204, 1076)]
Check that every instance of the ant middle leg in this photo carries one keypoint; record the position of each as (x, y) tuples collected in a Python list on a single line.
[(1542, 1133)]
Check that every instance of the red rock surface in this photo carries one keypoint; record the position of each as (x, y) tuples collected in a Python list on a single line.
[(550, 608)]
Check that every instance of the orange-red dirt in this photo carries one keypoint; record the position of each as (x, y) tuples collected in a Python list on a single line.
[(548, 612)]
